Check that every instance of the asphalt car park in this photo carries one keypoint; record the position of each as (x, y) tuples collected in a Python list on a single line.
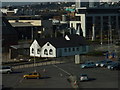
[(55, 76)]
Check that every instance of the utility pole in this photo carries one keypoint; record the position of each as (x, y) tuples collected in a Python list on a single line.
[(101, 37), (93, 32), (101, 31), (34, 59), (110, 34), (108, 40), (32, 33)]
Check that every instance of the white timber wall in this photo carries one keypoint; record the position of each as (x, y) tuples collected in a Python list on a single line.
[(83, 23), (35, 49), (48, 50)]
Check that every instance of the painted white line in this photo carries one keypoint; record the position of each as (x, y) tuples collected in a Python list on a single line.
[(62, 69), (21, 80)]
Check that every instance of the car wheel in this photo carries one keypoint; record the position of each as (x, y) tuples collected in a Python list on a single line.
[(83, 67), (113, 69), (25, 78), (38, 77), (8, 72)]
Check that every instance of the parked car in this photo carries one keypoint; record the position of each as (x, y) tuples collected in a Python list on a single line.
[(107, 62), (88, 65), (6, 69), (117, 42), (32, 75), (99, 62), (109, 66), (115, 66), (84, 77)]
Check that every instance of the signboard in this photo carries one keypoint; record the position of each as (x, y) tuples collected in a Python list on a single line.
[(110, 55)]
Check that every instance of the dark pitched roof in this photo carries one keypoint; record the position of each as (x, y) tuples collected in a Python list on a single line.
[(7, 29), (20, 46), (59, 42), (21, 24)]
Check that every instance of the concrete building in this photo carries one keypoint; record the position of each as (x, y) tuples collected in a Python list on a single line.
[(96, 18), (8, 37), (31, 29), (9, 12), (9, 34)]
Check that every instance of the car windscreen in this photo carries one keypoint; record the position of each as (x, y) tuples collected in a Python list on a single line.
[(5, 67)]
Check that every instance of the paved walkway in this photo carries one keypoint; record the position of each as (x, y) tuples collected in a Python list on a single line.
[(38, 64)]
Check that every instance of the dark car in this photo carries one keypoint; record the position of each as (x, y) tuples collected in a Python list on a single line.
[(106, 63), (109, 66), (117, 42), (88, 65), (99, 62), (109, 63), (114, 67)]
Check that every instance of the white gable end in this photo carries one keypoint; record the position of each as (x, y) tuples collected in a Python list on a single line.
[(35, 49), (48, 50), (67, 38)]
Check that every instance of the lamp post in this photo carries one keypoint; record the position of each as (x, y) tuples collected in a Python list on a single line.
[(93, 32), (101, 37), (34, 59)]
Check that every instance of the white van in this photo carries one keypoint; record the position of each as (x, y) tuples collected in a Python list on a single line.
[(6, 69)]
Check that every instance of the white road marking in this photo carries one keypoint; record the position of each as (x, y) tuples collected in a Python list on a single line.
[(62, 69), (21, 80)]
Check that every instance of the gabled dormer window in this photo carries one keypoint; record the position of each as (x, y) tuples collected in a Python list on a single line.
[(67, 38)]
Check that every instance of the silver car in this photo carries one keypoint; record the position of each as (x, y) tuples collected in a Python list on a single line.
[(6, 69), (83, 77)]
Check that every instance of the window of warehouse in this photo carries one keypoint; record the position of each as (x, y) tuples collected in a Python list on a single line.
[(83, 48), (65, 50)]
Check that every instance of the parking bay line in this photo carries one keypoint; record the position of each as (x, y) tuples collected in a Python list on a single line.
[(21, 80), (62, 69)]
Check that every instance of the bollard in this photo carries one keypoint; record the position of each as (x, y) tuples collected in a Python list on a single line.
[(73, 81), (44, 70)]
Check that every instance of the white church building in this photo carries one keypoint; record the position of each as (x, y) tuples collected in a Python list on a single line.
[(58, 47)]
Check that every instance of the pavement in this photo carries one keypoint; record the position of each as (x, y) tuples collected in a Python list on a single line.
[(55, 76)]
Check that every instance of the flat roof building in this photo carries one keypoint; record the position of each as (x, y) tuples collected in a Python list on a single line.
[(95, 18)]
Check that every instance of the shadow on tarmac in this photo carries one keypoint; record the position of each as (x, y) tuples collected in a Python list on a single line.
[(45, 77)]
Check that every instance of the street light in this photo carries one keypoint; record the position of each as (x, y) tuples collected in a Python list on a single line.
[(34, 59)]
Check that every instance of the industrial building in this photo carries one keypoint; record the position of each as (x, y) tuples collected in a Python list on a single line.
[(96, 19)]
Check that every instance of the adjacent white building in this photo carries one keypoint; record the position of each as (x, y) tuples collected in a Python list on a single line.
[(58, 47), (6, 11)]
